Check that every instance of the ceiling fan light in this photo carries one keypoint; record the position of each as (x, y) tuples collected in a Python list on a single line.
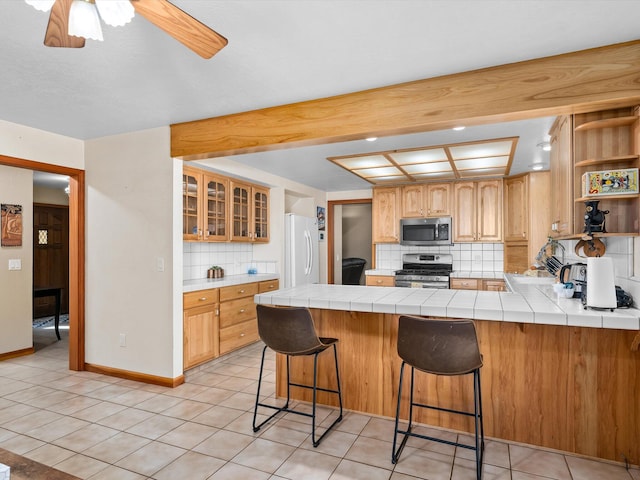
[(84, 20), (41, 5), (115, 12)]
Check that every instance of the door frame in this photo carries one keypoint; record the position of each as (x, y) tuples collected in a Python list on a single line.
[(76, 251), (330, 233)]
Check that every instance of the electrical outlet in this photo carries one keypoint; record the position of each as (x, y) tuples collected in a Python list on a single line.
[(15, 264), (123, 340)]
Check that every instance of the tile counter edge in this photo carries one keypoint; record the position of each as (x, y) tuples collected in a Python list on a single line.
[(229, 280)]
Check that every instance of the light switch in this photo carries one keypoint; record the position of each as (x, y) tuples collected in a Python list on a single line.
[(15, 264), (160, 264)]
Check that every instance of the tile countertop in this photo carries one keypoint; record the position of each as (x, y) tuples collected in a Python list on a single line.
[(457, 274), (531, 300), (229, 280)]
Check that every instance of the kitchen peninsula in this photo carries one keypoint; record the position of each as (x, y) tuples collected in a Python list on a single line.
[(554, 374)]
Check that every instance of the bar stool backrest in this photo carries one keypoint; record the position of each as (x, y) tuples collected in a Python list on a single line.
[(441, 347), (288, 330)]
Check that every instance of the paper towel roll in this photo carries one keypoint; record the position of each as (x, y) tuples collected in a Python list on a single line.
[(601, 286)]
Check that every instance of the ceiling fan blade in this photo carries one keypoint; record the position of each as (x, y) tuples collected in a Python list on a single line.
[(57, 30), (181, 26)]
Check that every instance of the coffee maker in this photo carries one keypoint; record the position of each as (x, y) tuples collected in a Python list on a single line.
[(594, 218)]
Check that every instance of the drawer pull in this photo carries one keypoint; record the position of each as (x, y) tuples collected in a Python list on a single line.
[(379, 281), (242, 334), (241, 291), (242, 310), (202, 299)]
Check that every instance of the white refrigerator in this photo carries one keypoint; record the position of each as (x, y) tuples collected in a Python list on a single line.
[(301, 250)]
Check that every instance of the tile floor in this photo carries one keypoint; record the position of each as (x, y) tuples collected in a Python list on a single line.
[(105, 428)]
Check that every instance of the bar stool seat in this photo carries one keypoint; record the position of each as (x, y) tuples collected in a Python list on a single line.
[(291, 332), (439, 347)]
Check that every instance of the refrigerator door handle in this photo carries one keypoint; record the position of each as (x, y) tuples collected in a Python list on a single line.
[(310, 253), (306, 245)]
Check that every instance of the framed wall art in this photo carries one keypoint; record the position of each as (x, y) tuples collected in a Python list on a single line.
[(11, 225)]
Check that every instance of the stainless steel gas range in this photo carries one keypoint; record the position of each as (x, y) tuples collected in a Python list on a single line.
[(421, 270)]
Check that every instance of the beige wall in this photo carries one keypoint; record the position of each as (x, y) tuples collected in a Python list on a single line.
[(16, 186), (51, 196), (15, 286), (130, 225)]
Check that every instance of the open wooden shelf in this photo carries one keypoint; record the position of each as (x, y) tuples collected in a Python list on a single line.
[(607, 160), (578, 236), (607, 123), (608, 197)]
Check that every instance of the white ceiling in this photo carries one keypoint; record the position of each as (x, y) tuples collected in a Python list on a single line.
[(287, 51)]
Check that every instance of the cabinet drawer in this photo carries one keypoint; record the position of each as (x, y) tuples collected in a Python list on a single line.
[(237, 311), (464, 283), (268, 286), (199, 298), (494, 285), (380, 280), (238, 291), (238, 335)]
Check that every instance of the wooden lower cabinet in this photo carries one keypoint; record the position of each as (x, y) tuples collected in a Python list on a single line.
[(494, 285), (201, 325), (220, 320), (380, 280)]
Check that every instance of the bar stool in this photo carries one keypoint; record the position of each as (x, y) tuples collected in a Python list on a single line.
[(440, 347), (291, 332)]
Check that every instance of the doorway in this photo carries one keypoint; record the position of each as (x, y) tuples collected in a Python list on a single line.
[(349, 240), (76, 291)]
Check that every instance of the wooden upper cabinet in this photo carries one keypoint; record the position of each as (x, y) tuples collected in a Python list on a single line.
[(240, 211), (260, 219), (516, 209), (386, 215), (426, 200), (192, 216), (561, 166), (489, 211), (249, 212), (477, 211), (215, 208)]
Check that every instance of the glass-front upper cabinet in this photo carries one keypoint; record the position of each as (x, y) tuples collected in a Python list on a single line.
[(216, 204), (260, 214), (240, 211), (191, 204)]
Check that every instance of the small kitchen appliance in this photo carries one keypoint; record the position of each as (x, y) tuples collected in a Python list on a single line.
[(575, 273), (601, 288), (425, 270)]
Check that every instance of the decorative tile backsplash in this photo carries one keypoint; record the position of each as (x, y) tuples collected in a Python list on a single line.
[(234, 258), (472, 257)]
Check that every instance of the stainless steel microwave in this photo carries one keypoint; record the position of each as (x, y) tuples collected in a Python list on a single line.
[(426, 231)]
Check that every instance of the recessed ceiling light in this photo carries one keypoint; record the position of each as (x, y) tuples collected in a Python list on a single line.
[(457, 129), (371, 139), (545, 146)]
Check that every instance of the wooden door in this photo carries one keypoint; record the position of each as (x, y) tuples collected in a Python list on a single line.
[(412, 201), (438, 199), (464, 219), (50, 256), (240, 210), (260, 220), (489, 206), (215, 208), (516, 209), (385, 215)]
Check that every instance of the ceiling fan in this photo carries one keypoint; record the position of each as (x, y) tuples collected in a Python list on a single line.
[(71, 21)]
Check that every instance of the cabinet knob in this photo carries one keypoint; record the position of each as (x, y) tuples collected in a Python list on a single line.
[(242, 334), (241, 291), (524, 234), (242, 310), (202, 299)]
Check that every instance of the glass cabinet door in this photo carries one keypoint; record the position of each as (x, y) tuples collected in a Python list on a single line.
[(260, 215), (241, 195), (216, 204), (191, 210)]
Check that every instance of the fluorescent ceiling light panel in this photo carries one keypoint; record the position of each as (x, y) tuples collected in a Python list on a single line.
[(461, 160)]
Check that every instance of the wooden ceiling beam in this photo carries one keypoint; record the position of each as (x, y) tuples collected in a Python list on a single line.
[(578, 82)]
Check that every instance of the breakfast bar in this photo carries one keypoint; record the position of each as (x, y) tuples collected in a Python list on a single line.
[(554, 374)]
